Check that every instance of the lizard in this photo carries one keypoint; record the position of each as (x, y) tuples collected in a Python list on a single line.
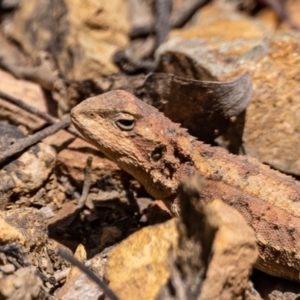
[(160, 153)]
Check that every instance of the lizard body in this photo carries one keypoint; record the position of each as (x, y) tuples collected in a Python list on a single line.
[(159, 154)]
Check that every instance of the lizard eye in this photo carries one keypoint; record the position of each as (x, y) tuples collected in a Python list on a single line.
[(125, 121)]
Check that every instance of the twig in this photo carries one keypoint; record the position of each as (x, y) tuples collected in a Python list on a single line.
[(35, 111), (141, 31), (181, 16), (64, 254), (14, 249), (85, 190), (86, 183), (162, 23), (141, 18), (132, 66), (22, 144), (60, 275), (178, 18)]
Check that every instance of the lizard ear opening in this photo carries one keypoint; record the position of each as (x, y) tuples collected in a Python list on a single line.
[(125, 121), (157, 154)]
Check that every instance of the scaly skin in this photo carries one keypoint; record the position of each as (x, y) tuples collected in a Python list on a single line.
[(159, 154)]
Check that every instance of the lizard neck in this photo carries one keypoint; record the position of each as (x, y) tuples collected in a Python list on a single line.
[(175, 164)]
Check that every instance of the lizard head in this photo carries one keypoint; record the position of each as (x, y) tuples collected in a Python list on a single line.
[(136, 136)]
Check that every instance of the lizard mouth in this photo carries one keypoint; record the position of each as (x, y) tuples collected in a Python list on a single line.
[(76, 123), (73, 114), (83, 130)]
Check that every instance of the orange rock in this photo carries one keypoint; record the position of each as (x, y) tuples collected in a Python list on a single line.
[(138, 266), (141, 266), (271, 131), (72, 160), (9, 234), (86, 33), (227, 44), (30, 93)]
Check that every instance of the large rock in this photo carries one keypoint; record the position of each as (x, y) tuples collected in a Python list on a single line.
[(24, 173), (232, 44), (81, 35), (29, 92), (71, 161), (209, 253)]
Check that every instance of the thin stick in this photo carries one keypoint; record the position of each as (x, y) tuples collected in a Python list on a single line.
[(35, 111), (162, 24), (86, 183), (64, 254), (181, 16), (178, 18), (85, 190), (130, 65), (24, 143)]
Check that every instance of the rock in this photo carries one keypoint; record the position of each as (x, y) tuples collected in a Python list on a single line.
[(234, 254), (53, 194), (30, 93), (8, 268), (6, 188), (30, 222), (72, 160), (9, 134), (80, 286), (110, 236), (24, 173), (47, 211), (217, 248), (80, 254), (109, 198), (22, 285), (9, 234), (32, 168), (143, 203), (228, 40), (63, 217), (86, 34), (59, 140), (157, 212), (138, 266), (270, 19), (272, 119), (275, 288), (209, 254)]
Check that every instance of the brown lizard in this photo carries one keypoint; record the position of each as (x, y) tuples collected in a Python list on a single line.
[(159, 154)]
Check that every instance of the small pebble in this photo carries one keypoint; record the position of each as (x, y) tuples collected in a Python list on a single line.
[(8, 268), (47, 211)]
